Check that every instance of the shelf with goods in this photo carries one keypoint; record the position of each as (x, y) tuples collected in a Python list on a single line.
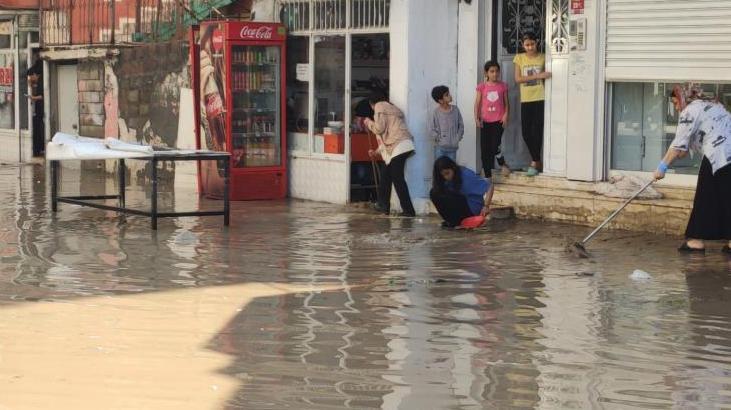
[(253, 80), (255, 139), (255, 151), (252, 110), (254, 56), (252, 91)]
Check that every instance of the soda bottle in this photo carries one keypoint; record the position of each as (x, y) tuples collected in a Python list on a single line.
[(213, 103)]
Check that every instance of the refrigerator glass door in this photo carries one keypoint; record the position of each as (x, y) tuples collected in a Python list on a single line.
[(256, 116)]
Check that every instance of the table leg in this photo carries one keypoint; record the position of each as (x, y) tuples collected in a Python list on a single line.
[(226, 195), (122, 175), (54, 186), (153, 198)]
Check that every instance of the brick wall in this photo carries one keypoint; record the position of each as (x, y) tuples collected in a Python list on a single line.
[(91, 98)]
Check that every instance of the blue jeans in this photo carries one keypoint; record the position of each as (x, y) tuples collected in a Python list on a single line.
[(445, 152)]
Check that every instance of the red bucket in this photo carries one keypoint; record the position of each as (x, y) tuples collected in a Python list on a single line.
[(472, 222)]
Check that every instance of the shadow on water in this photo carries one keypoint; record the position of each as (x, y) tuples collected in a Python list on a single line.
[(421, 317)]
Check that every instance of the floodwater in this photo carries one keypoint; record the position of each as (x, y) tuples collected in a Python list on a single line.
[(313, 306)]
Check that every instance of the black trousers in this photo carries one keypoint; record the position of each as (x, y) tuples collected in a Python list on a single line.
[(452, 206), (394, 174), (491, 136), (710, 218), (39, 136), (531, 116)]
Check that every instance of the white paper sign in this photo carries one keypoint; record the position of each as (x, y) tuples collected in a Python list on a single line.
[(303, 72), (6, 28)]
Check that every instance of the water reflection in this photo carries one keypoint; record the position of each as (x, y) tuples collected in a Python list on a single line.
[(391, 313)]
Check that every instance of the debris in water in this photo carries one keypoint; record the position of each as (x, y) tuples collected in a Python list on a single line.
[(640, 275), (584, 273)]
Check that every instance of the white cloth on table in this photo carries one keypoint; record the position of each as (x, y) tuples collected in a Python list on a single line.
[(73, 147)]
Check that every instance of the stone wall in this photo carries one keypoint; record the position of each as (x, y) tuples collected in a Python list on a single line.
[(91, 98), (149, 79)]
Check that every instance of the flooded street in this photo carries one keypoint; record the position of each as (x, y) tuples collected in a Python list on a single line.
[(314, 306)]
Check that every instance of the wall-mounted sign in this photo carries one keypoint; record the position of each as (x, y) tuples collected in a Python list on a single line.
[(577, 6), (6, 28), (6, 79), (303, 72)]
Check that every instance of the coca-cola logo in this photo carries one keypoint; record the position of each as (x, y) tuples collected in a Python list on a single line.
[(217, 40), (259, 33)]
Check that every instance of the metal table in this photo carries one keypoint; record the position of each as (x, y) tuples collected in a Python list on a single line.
[(154, 159)]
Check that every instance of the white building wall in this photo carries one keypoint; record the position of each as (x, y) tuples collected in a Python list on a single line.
[(10, 153), (473, 50), (264, 10), (585, 124), (317, 179), (423, 55)]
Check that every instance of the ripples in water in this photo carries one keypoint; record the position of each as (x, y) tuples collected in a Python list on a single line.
[(424, 318)]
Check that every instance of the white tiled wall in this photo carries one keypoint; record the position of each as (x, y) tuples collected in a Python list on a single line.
[(318, 179)]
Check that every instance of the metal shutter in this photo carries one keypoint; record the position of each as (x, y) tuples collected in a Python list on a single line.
[(670, 40)]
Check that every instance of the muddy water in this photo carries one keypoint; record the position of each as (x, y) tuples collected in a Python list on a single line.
[(306, 305)]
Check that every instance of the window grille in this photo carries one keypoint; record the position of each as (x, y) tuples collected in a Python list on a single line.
[(560, 26), (330, 15), (369, 13)]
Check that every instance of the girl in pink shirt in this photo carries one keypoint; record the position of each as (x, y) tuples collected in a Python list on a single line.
[(492, 114)]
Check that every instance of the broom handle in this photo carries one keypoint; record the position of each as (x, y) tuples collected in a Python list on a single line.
[(374, 165), (624, 205)]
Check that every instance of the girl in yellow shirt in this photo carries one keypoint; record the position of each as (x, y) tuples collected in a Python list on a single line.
[(530, 71)]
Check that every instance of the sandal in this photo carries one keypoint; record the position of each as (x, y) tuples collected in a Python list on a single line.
[(505, 170), (726, 250), (380, 209), (531, 172), (687, 249)]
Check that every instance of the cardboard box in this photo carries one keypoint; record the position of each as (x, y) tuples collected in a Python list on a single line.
[(334, 143)]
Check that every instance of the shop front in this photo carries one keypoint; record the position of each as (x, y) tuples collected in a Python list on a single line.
[(651, 47), (18, 39), (338, 53)]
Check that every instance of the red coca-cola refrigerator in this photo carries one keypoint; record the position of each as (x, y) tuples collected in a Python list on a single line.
[(238, 74)]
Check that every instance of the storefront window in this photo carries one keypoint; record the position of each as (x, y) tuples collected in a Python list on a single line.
[(6, 31), (7, 98), (298, 107), (23, 38), (644, 122), (329, 94)]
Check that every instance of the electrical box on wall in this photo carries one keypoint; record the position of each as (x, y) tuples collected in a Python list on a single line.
[(577, 34)]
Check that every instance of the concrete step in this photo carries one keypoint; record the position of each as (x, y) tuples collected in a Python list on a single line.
[(519, 178), (557, 199)]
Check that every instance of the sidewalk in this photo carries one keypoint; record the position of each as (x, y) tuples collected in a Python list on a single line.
[(556, 199)]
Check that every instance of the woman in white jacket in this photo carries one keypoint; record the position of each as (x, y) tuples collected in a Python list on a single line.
[(395, 145), (704, 126)]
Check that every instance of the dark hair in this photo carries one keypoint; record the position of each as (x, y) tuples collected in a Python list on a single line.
[(529, 35), (376, 97), (490, 64), (438, 92), (35, 69), (438, 182)]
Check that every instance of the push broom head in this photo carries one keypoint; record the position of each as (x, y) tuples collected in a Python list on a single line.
[(578, 249)]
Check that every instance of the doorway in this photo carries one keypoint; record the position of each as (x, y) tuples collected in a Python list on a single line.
[(370, 64), (67, 99), (513, 19)]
